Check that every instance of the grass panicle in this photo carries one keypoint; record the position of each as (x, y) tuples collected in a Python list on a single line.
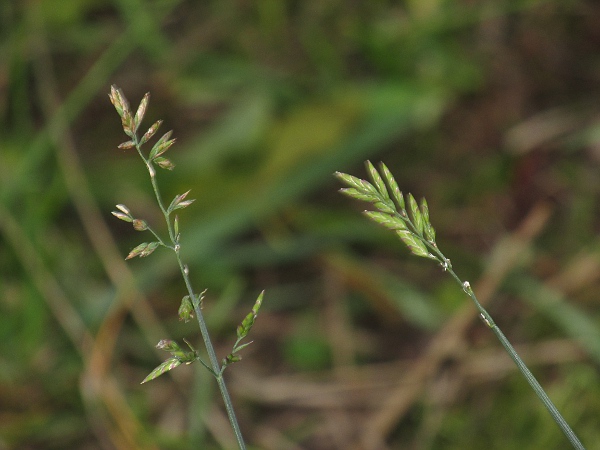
[(414, 228), (191, 304)]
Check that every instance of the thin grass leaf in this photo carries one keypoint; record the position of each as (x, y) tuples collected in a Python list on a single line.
[(386, 207), (350, 180), (244, 328), (243, 346), (162, 148), (158, 147), (120, 215), (425, 210), (358, 195), (361, 185), (396, 193), (117, 98), (140, 225), (179, 202), (429, 232), (121, 104), (141, 111), (388, 221), (414, 244), (166, 365), (124, 209), (258, 303), (230, 359), (164, 163), (151, 131), (427, 227), (126, 145), (149, 249), (143, 250), (377, 180), (417, 217), (186, 309)]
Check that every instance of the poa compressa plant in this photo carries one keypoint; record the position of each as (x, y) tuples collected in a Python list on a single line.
[(191, 304), (416, 231)]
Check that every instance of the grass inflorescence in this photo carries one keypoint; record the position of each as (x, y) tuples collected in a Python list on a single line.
[(412, 225), (191, 304)]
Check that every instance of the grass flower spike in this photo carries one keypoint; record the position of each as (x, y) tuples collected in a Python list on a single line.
[(191, 304), (413, 227)]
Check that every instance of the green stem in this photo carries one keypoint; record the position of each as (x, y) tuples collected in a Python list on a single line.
[(214, 362), (212, 356), (533, 382), (485, 316)]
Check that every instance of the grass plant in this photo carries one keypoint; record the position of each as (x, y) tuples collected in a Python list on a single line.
[(416, 231), (191, 304)]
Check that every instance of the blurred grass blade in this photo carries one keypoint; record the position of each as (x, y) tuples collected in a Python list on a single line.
[(550, 302)]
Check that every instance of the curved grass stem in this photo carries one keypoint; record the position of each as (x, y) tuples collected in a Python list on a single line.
[(416, 231), (215, 368), (131, 122)]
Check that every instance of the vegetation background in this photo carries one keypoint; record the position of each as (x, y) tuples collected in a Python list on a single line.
[(489, 109)]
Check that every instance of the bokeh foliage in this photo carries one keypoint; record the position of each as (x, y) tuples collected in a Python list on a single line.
[(488, 109)]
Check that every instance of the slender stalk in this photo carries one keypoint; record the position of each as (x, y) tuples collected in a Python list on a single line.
[(487, 319), (212, 356), (191, 303), (416, 231)]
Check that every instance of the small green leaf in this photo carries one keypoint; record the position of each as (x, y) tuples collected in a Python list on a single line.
[(165, 366), (244, 328), (151, 131), (169, 345), (173, 347), (414, 244), (124, 209), (241, 347), (186, 309), (427, 227), (143, 250), (416, 214), (386, 207), (163, 148), (126, 145), (164, 163), (430, 232), (179, 202), (127, 123), (388, 221), (362, 186), (140, 225), (117, 98), (425, 210), (258, 303), (377, 180), (161, 145), (141, 112), (230, 359), (396, 193), (149, 249), (349, 180), (358, 195), (137, 250), (120, 215)]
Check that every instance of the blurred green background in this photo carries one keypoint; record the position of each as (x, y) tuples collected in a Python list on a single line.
[(489, 109)]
